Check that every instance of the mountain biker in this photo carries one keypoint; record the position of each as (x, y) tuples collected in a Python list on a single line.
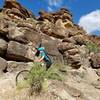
[(44, 57)]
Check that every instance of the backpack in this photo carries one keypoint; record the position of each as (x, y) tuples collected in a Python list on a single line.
[(50, 60)]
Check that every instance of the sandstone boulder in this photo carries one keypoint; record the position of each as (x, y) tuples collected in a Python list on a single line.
[(69, 40), (13, 8), (18, 52), (62, 47), (51, 48), (3, 46), (73, 51), (75, 61), (80, 39), (95, 60), (14, 66), (3, 27), (63, 14), (23, 33), (90, 75), (59, 30), (3, 65)]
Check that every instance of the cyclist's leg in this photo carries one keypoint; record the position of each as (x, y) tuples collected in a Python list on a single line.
[(48, 65)]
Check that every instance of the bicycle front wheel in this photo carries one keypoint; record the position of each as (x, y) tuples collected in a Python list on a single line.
[(22, 76)]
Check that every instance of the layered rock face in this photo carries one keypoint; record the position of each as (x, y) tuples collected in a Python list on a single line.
[(59, 24), (64, 41), (16, 32), (73, 38), (14, 10), (18, 28)]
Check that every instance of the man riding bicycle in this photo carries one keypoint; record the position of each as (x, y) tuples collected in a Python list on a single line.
[(43, 57), (40, 51)]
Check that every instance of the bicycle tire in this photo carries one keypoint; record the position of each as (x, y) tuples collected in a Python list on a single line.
[(22, 73)]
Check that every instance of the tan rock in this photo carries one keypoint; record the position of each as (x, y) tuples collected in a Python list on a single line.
[(69, 40), (15, 9), (63, 14), (65, 46), (90, 75), (75, 61), (23, 34), (73, 51), (51, 48), (80, 39), (3, 27), (19, 52), (14, 66), (73, 91), (3, 65), (59, 28), (95, 60), (3, 46)]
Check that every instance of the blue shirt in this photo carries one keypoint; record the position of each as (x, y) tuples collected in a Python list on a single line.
[(42, 53)]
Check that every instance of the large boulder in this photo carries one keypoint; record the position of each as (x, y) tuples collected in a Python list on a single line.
[(63, 14), (19, 52), (3, 65), (80, 40), (56, 24), (23, 33), (64, 46), (95, 60), (84, 53), (69, 40), (71, 54), (90, 75), (75, 61), (3, 26), (14, 10), (50, 45), (59, 29), (14, 66), (73, 51), (3, 46)]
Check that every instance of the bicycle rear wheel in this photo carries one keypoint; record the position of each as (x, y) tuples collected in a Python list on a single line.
[(22, 76)]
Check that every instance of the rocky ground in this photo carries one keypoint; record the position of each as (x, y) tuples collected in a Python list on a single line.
[(66, 44), (82, 84)]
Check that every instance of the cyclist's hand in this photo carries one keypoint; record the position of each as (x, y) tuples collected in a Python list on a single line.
[(36, 60)]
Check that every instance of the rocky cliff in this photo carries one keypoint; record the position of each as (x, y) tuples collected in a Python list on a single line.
[(66, 43)]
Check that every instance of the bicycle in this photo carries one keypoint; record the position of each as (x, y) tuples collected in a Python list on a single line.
[(35, 77), (23, 75)]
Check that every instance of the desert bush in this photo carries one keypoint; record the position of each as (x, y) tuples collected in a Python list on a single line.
[(92, 47), (38, 75)]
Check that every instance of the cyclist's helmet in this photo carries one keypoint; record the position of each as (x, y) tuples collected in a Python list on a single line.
[(40, 48)]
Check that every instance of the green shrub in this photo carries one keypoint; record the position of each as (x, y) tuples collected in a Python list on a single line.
[(39, 75), (92, 47)]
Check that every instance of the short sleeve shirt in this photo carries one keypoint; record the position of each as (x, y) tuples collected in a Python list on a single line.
[(44, 55)]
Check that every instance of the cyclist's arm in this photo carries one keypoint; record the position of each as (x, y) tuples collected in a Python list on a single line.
[(39, 60), (33, 53)]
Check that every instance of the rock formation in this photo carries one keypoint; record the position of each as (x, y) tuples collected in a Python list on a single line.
[(63, 39), (14, 10), (65, 42)]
